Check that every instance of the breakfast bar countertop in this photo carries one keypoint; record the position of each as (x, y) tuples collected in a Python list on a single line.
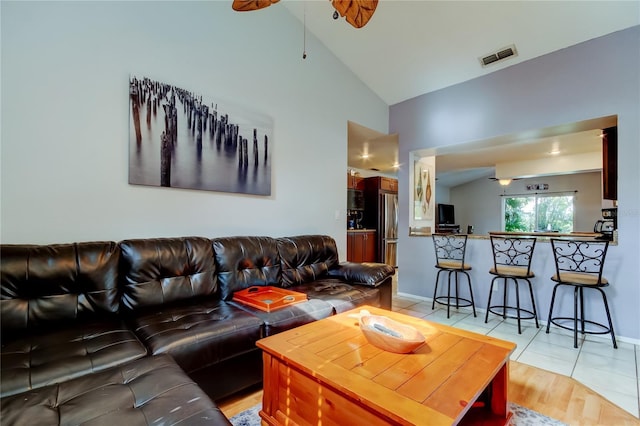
[(542, 236), (549, 234)]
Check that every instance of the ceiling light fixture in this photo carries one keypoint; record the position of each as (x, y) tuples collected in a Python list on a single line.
[(503, 181)]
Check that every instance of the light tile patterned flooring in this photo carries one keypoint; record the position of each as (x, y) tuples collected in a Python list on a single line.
[(613, 373)]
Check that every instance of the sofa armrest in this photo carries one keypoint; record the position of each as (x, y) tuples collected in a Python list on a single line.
[(370, 274)]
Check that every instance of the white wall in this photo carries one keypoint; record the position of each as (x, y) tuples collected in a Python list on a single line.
[(535, 94), (65, 119), (443, 194)]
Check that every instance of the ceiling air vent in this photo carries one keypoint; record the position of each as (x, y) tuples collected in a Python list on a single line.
[(499, 55)]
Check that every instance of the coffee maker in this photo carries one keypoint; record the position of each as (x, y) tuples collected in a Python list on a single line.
[(355, 208), (354, 219), (607, 225)]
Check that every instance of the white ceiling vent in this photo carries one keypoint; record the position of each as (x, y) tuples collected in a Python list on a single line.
[(499, 55)]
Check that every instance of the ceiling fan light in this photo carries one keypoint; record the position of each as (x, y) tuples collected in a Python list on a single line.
[(504, 182)]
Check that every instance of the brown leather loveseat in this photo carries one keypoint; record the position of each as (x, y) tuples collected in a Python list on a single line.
[(84, 320)]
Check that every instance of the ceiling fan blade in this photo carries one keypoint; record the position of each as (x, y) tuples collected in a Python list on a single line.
[(248, 5), (356, 12)]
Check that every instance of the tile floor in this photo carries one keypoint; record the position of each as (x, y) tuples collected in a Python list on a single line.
[(613, 373)]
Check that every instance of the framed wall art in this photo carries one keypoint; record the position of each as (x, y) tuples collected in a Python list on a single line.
[(182, 138)]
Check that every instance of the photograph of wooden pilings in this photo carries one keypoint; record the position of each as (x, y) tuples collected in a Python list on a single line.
[(183, 139)]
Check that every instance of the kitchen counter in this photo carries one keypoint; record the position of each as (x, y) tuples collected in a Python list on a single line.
[(541, 236), (549, 234), (361, 230), (546, 236)]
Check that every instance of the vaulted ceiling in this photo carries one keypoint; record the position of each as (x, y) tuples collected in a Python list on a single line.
[(414, 47)]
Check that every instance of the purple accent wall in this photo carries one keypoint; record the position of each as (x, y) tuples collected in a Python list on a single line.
[(597, 78)]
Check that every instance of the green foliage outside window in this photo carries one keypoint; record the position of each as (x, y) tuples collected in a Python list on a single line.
[(539, 213), (518, 214)]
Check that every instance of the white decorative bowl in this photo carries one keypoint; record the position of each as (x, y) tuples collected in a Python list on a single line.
[(390, 335)]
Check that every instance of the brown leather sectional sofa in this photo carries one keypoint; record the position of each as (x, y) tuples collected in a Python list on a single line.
[(146, 330)]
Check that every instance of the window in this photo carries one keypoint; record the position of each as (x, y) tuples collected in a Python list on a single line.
[(539, 213)]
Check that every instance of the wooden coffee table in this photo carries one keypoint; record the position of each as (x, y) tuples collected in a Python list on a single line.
[(326, 373)]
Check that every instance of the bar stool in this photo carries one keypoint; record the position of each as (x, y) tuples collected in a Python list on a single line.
[(450, 250), (512, 262), (579, 264)]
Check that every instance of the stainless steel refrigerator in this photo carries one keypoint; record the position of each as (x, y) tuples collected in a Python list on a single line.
[(389, 228), (381, 214)]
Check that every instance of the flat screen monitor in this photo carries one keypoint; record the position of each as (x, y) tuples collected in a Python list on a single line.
[(446, 214)]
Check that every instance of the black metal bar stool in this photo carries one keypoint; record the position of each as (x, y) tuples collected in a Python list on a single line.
[(579, 264), (512, 262), (450, 251)]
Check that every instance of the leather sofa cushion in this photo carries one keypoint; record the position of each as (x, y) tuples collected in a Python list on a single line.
[(306, 258), (289, 316), (37, 360), (340, 295), (198, 334), (243, 262), (370, 274), (157, 271), (150, 391), (43, 285)]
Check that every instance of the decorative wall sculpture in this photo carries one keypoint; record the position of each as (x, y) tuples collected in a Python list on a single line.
[(422, 174), (423, 179), (182, 139)]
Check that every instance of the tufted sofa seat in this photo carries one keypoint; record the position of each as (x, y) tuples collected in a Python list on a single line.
[(250, 261), (170, 301), (58, 311), (71, 312), (310, 265), (149, 391)]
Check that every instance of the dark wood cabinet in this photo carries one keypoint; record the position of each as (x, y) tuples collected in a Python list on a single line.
[(354, 182), (361, 246), (381, 183), (610, 163)]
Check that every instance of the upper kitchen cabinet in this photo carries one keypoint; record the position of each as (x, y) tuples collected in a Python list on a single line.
[(354, 181), (610, 163), (382, 183)]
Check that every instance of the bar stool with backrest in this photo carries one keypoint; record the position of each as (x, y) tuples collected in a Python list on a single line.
[(450, 251), (579, 264), (512, 257)]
